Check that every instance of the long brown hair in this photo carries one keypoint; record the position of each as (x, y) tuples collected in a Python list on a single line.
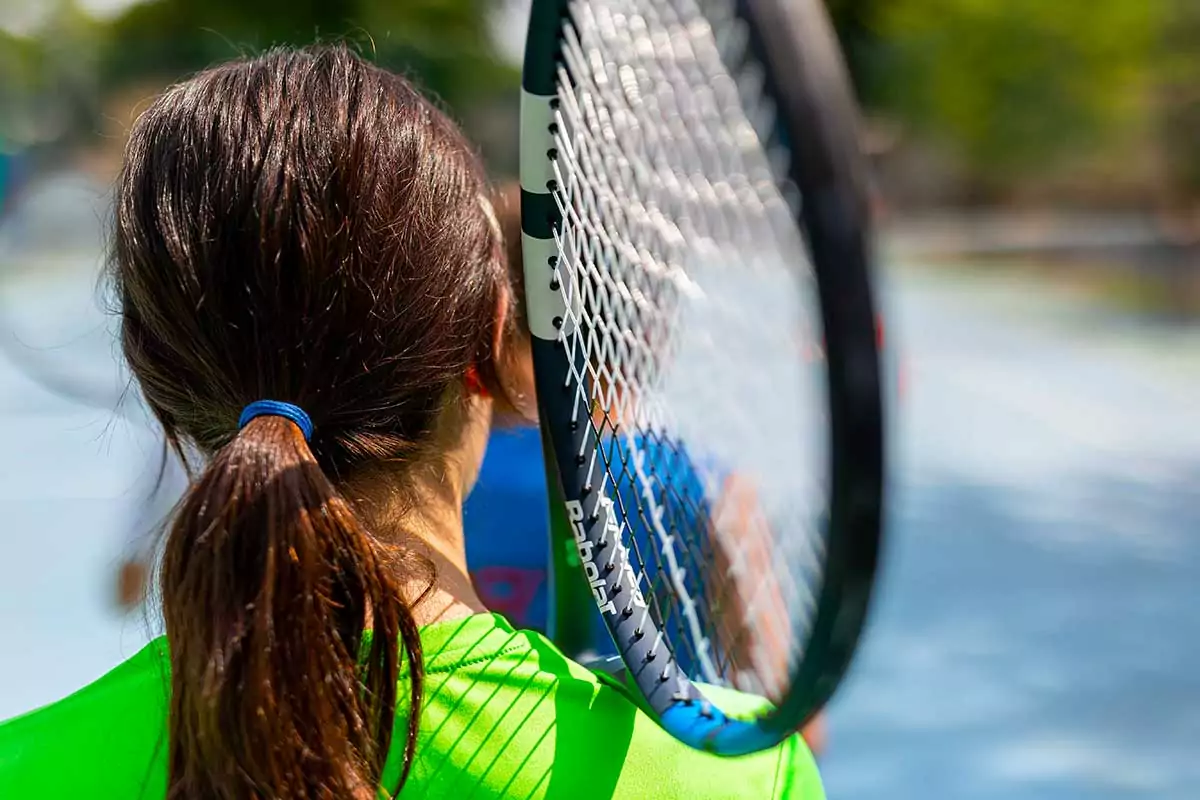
[(303, 227)]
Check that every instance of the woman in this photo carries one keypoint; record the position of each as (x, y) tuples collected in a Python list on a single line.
[(315, 302)]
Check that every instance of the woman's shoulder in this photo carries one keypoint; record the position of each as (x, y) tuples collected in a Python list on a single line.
[(108, 734), (514, 717)]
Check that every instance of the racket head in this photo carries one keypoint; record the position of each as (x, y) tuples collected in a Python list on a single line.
[(621, 468)]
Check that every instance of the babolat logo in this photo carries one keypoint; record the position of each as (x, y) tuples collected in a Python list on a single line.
[(586, 555)]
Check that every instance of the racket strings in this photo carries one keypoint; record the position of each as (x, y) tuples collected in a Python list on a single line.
[(692, 646), (669, 201), (678, 506), (604, 311)]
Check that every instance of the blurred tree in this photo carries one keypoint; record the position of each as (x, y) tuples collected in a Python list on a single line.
[(1179, 110), (853, 23), (47, 78), (1012, 85), (446, 44), (1179, 139)]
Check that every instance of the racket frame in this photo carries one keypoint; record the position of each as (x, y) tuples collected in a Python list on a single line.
[(834, 217)]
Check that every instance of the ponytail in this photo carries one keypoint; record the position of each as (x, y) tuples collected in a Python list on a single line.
[(268, 583)]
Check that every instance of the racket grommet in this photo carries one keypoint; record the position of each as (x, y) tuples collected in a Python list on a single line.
[(552, 184), (581, 460), (552, 261), (553, 127), (557, 322), (552, 153), (554, 286), (554, 101)]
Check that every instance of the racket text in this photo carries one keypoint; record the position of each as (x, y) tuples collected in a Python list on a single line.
[(587, 555)]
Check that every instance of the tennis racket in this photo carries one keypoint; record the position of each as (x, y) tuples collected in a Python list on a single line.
[(695, 234)]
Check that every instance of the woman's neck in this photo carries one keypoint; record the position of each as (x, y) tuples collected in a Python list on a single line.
[(436, 532), (426, 519)]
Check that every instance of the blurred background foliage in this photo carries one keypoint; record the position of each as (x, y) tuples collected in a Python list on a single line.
[(1017, 84), (69, 70), (967, 101), (1021, 100), (446, 42)]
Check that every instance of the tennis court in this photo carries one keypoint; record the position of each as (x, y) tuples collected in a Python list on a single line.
[(1035, 633)]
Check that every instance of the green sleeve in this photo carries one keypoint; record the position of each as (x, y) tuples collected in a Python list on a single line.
[(795, 774), (107, 740), (798, 778)]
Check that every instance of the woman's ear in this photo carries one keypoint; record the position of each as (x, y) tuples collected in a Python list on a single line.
[(516, 398)]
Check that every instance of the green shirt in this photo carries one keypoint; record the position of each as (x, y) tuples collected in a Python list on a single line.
[(506, 715)]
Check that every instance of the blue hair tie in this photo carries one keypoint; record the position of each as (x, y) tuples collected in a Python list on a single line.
[(276, 408)]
